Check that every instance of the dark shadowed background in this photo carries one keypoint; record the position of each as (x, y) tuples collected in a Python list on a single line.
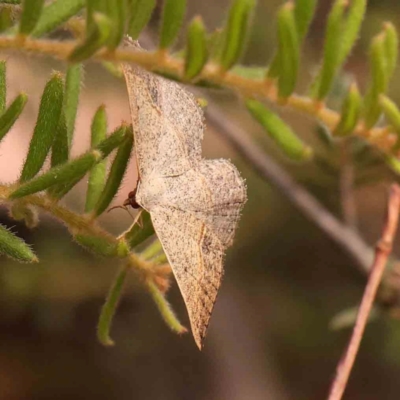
[(269, 336)]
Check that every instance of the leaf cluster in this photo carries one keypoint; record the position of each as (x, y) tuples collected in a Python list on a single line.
[(207, 59)]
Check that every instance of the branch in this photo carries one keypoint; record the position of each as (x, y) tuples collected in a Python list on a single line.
[(76, 221), (160, 61), (383, 250)]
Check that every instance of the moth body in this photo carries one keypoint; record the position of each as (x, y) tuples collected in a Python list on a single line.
[(150, 192)]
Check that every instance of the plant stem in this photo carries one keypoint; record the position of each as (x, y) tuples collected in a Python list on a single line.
[(79, 222), (380, 137), (382, 252)]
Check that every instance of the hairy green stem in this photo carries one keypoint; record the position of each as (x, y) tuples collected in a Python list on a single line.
[(82, 223), (160, 62)]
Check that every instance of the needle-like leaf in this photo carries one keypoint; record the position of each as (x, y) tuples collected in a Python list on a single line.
[(46, 127), (172, 18)]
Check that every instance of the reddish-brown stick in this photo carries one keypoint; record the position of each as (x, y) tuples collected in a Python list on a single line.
[(382, 252)]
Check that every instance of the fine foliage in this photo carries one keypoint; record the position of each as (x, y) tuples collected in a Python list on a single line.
[(207, 59)]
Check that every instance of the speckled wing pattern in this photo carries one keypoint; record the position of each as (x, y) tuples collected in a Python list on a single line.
[(195, 204), (167, 122)]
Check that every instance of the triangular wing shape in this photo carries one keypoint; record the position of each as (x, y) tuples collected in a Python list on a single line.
[(167, 122), (196, 258), (228, 196), (214, 192)]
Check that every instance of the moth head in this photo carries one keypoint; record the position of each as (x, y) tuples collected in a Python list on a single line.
[(131, 200)]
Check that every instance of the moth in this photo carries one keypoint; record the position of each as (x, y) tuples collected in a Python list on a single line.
[(195, 204)]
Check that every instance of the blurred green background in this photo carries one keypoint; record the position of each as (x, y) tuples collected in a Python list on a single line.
[(269, 336)]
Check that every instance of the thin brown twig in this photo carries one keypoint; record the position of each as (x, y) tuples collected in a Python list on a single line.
[(382, 252)]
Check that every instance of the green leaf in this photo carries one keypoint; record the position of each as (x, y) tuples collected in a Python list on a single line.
[(196, 49), (151, 251), (139, 231), (325, 137), (393, 163), (55, 14), (341, 35), (332, 51), (12, 113), (95, 39), (165, 309), (303, 13), (14, 247), (57, 192), (31, 11), (391, 111), (71, 100), (347, 318), (60, 148), (350, 114), (116, 174), (160, 259), (117, 13), (114, 140), (61, 174), (286, 40), (62, 142), (113, 69), (98, 173), (105, 147), (109, 308), (99, 126), (391, 46), (392, 114), (283, 136), (139, 15), (215, 41), (93, 7), (288, 51), (172, 18), (235, 32), (74, 170), (45, 129), (273, 70), (378, 81), (3, 87), (100, 246), (7, 17), (352, 26)]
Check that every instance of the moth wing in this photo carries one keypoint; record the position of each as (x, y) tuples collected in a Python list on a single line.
[(214, 192), (167, 122), (227, 190), (196, 258)]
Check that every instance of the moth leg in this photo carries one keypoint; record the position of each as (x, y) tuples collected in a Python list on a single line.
[(138, 219)]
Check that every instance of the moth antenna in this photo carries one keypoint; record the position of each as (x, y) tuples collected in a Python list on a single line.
[(113, 208), (124, 208)]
